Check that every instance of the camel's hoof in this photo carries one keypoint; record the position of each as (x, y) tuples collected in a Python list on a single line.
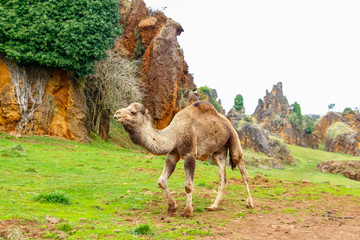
[(211, 209), (186, 214), (250, 204), (172, 209)]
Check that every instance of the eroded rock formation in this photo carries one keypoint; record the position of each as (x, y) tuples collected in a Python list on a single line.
[(272, 113), (164, 73), (62, 112)]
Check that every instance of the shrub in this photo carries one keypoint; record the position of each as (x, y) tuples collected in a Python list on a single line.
[(205, 95), (293, 119), (143, 229), (309, 124), (66, 34), (347, 110), (337, 129), (114, 85)]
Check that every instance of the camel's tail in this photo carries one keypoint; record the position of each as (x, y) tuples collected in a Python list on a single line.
[(236, 153)]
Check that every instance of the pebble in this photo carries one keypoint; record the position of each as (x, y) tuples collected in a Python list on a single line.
[(162, 218)]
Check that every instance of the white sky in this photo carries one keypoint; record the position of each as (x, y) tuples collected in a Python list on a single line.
[(247, 46)]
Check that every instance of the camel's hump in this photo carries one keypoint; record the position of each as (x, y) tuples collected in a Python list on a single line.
[(204, 106)]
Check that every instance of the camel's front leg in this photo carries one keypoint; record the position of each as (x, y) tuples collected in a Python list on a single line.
[(189, 165), (220, 159), (170, 164)]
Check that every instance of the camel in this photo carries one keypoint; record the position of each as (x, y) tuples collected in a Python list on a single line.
[(196, 131)]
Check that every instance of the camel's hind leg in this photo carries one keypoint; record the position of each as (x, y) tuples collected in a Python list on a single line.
[(189, 165), (220, 159), (170, 164), (245, 177)]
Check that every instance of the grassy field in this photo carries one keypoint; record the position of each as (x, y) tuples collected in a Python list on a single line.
[(67, 189)]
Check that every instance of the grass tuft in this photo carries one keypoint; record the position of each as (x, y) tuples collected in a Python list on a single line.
[(65, 227), (13, 152), (55, 197), (143, 229)]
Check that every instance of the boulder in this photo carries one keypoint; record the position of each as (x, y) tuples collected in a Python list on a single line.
[(348, 143), (257, 139)]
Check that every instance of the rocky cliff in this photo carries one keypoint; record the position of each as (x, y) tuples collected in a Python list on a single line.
[(153, 37), (272, 113), (62, 112)]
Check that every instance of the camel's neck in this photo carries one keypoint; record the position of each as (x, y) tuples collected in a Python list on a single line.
[(156, 141)]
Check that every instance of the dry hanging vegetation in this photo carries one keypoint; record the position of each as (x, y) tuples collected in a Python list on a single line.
[(114, 85), (29, 86)]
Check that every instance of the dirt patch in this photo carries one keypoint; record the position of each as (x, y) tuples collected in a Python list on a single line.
[(286, 215)]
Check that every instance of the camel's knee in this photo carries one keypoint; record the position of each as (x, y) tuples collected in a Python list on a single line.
[(188, 187)]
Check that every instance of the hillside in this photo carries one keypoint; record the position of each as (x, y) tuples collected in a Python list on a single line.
[(99, 190)]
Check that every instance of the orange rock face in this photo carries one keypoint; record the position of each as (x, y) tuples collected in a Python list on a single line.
[(164, 70), (9, 109), (62, 113)]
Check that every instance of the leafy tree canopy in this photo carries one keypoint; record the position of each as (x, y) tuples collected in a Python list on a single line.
[(297, 111), (68, 34), (239, 102)]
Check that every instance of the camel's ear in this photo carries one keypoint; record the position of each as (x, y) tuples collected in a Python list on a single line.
[(140, 108)]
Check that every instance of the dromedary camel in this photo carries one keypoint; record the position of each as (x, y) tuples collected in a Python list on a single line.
[(196, 131)]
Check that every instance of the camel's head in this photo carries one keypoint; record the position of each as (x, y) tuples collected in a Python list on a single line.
[(132, 116)]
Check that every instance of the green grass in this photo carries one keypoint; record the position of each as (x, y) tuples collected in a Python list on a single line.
[(100, 189), (306, 160)]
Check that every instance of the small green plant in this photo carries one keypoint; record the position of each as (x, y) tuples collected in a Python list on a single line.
[(143, 229), (65, 227), (139, 47), (31, 170), (55, 197), (239, 215)]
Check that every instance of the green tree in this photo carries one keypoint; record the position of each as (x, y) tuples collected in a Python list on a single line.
[(297, 111), (239, 102), (309, 124), (347, 110), (66, 34), (331, 106)]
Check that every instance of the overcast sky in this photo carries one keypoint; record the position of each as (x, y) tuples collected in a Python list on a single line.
[(247, 46)]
